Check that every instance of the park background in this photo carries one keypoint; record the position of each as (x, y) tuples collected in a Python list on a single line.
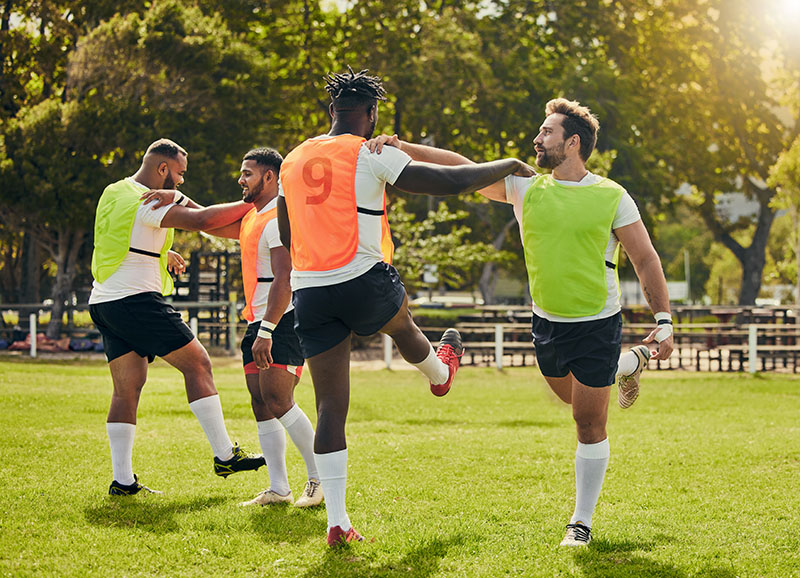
[(698, 102)]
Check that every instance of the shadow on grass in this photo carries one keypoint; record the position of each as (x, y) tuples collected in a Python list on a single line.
[(283, 523), (147, 512), (515, 423), (424, 560), (618, 560)]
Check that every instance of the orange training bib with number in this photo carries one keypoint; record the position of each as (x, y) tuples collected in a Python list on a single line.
[(250, 232), (318, 179)]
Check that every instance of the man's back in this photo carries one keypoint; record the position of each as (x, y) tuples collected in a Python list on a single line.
[(343, 228)]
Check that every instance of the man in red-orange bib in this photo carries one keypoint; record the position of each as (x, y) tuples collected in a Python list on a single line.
[(271, 352), (332, 217)]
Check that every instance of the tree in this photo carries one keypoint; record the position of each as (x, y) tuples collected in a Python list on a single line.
[(785, 176), (439, 240), (173, 71)]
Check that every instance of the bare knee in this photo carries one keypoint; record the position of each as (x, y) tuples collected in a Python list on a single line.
[(278, 406), (591, 429)]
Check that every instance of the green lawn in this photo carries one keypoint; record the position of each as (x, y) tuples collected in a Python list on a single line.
[(704, 480)]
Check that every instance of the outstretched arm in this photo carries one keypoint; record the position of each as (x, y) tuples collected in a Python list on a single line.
[(495, 191), (433, 179), (205, 219), (646, 262)]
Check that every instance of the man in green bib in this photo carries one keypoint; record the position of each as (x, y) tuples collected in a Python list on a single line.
[(572, 223), (129, 265)]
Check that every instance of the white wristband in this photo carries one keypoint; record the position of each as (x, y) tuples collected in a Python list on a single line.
[(266, 329), (664, 320), (663, 316)]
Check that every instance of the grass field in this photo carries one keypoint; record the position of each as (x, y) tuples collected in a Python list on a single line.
[(704, 480)]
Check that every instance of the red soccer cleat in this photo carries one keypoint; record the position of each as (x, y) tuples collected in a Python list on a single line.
[(450, 351), (338, 537)]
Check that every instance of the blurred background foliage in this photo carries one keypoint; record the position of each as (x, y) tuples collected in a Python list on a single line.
[(698, 102)]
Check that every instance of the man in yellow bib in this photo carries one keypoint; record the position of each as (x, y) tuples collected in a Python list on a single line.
[(129, 265), (332, 217), (572, 223)]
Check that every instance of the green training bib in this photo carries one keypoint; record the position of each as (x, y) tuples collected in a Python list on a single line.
[(113, 224), (565, 232)]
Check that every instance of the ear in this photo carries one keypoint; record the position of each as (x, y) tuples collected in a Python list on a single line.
[(330, 110), (574, 141), (269, 176), (373, 108), (163, 168)]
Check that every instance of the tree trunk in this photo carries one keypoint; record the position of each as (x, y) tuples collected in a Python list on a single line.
[(69, 245), (488, 280), (30, 281), (755, 256)]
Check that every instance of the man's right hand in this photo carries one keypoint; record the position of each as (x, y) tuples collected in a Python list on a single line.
[(161, 197), (525, 170), (375, 145)]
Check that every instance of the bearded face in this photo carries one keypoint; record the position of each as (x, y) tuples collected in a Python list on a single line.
[(552, 156)]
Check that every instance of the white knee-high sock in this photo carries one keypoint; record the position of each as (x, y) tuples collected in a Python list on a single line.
[(273, 443), (120, 438), (208, 411), (591, 461), (333, 476), (628, 362), (300, 430), (434, 368)]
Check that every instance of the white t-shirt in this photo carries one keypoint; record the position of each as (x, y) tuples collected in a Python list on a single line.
[(373, 171), (137, 273), (627, 214), (270, 238)]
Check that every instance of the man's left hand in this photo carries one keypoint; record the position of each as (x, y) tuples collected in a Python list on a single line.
[(175, 263), (664, 347), (262, 352)]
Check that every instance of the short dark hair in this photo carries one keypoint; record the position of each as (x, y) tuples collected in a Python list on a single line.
[(265, 157), (579, 120), (350, 90), (166, 148)]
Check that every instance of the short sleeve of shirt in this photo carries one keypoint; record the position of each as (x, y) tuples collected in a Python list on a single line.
[(627, 212), (148, 217), (388, 165), (516, 187), (272, 234)]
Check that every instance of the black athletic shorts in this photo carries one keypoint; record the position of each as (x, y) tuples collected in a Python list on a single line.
[(144, 323), (285, 344), (325, 316), (588, 349)]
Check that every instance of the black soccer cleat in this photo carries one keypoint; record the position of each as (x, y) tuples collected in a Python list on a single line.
[(240, 462), (117, 489)]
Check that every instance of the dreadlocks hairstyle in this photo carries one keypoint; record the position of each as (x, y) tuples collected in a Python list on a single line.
[(351, 91)]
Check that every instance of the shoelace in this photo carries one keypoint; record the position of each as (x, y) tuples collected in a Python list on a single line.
[(580, 532), (311, 488), (447, 353)]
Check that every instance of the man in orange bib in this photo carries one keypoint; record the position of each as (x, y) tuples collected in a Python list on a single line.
[(271, 351), (332, 216)]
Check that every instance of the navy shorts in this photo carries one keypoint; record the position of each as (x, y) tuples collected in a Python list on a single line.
[(325, 316), (588, 349), (285, 345), (144, 323)]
